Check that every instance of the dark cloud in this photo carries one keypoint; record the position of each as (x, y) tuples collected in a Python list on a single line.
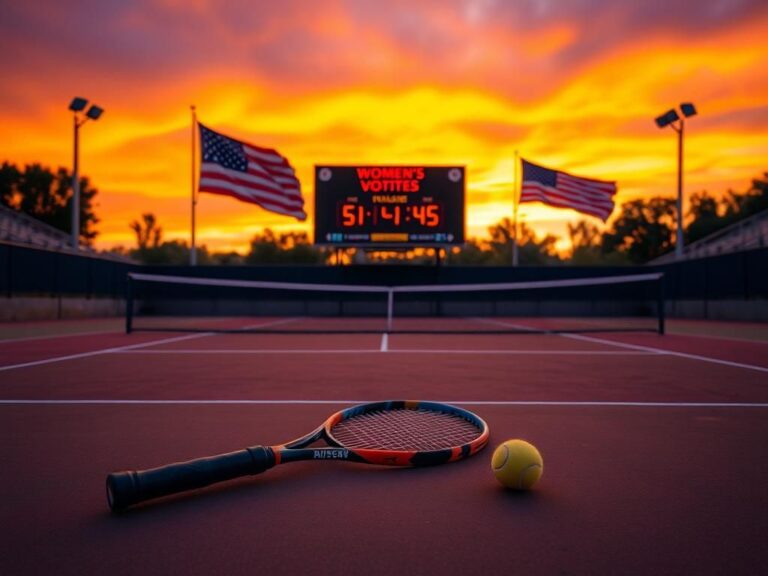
[(300, 45), (627, 17)]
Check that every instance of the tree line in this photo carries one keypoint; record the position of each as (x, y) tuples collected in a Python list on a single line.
[(643, 230), (266, 248), (45, 194)]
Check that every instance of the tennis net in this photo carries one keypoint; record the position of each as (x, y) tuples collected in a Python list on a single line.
[(598, 304)]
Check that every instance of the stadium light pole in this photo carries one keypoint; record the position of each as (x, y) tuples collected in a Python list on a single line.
[(77, 106), (677, 123)]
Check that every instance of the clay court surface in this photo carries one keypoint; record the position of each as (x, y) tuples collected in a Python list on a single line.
[(654, 450)]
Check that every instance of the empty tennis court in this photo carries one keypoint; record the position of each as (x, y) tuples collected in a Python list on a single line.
[(653, 451)]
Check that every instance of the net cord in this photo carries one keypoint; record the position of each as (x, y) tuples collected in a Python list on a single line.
[(600, 280), (531, 285), (197, 281)]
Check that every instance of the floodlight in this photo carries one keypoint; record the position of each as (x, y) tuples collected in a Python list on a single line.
[(94, 112), (688, 109), (667, 118), (78, 104)]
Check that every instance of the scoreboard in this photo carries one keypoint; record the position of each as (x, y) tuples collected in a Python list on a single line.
[(389, 206)]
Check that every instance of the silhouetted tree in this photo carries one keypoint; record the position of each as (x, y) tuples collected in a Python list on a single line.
[(754, 200), (47, 196), (472, 253), (644, 230), (497, 251), (286, 248), (583, 235), (704, 216), (225, 258), (148, 232), (707, 215), (586, 249), (9, 183), (151, 249)]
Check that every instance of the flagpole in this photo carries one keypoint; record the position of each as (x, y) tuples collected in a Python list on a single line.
[(193, 248), (515, 200)]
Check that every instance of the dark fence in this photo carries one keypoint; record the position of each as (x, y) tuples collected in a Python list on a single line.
[(28, 271), (738, 276)]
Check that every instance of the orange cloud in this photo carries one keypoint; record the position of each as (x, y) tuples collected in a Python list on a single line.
[(412, 82)]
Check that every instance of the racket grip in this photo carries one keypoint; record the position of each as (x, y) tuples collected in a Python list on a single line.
[(124, 489)]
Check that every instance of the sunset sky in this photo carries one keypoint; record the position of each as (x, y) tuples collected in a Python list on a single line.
[(571, 84)]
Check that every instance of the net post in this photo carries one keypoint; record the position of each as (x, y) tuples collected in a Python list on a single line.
[(660, 304), (129, 305), (390, 307)]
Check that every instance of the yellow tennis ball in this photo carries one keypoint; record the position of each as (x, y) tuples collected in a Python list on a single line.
[(517, 464)]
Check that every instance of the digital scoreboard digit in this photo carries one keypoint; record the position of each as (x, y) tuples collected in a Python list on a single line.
[(389, 206)]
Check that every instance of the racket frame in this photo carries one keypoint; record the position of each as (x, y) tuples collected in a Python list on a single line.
[(299, 449), (127, 488)]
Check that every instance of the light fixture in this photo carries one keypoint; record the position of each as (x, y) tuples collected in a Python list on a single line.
[(93, 113), (78, 104), (667, 118), (688, 109), (673, 119)]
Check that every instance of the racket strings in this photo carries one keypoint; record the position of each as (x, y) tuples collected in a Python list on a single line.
[(405, 430)]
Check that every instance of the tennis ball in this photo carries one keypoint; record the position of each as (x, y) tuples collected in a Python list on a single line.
[(517, 464)]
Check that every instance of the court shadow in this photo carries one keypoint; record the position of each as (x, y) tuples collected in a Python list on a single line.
[(520, 501), (264, 489)]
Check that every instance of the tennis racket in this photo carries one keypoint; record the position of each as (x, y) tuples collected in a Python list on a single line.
[(394, 433)]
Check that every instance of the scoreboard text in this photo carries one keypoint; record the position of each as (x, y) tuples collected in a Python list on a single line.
[(389, 205)]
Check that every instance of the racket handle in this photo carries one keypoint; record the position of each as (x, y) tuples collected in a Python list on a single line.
[(127, 488)]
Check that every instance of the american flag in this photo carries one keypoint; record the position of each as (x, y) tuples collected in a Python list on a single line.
[(594, 197), (249, 173)]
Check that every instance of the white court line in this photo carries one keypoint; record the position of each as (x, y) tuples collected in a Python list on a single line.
[(607, 404), (673, 332), (100, 332), (385, 348), (384, 342), (99, 352), (124, 348), (506, 324), (666, 352), (638, 348), (273, 323)]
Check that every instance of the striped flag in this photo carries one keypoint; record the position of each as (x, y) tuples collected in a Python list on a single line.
[(594, 197), (249, 173)]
